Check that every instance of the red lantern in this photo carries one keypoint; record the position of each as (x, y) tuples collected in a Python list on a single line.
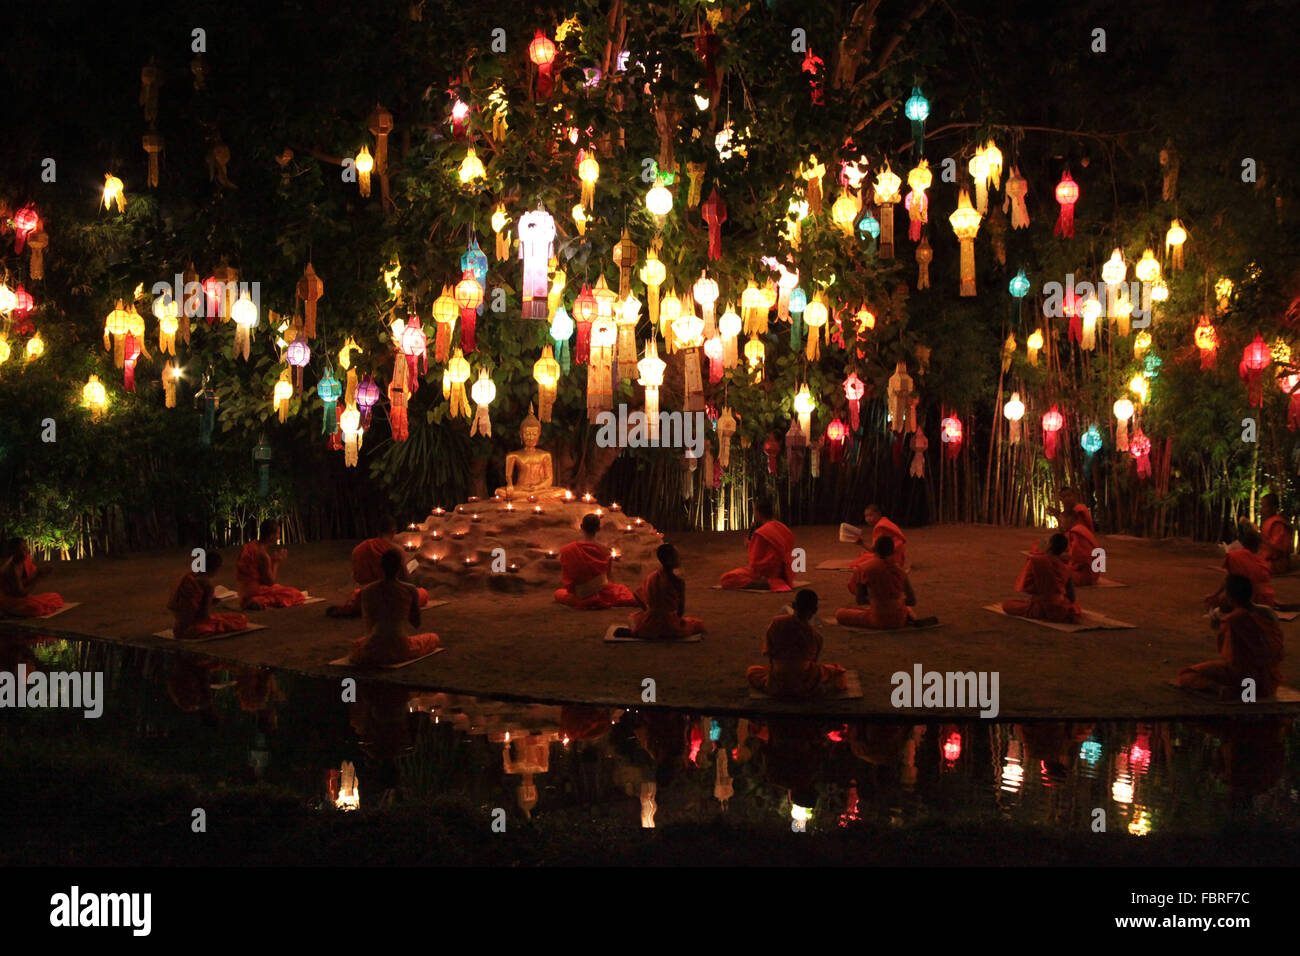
[(212, 292), (25, 223), (1207, 340), (1052, 422), (130, 352), (836, 433), (584, 310), (854, 389), (1139, 446), (1290, 384), (772, 448), (952, 747), (1254, 359), (415, 346), (713, 348), (1073, 309), (714, 211), (1067, 194), (950, 432), (707, 48), (542, 52), (469, 296), (23, 303)]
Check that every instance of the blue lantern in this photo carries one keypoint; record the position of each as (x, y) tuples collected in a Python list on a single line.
[(1090, 751), (476, 262), (1151, 365), (917, 109), (329, 390), (1091, 440), (562, 328), (1019, 285), (869, 227)]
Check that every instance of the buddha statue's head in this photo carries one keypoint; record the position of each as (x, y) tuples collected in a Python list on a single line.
[(530, 430)]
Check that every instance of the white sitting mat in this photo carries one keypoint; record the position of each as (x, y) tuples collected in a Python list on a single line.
[(343, 661), (612, 638), (795, 586), (1092, 621), (852, 691), (67, 606), (882, 630), (215, 637)]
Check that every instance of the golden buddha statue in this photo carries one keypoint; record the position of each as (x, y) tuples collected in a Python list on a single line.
[(535, 470)]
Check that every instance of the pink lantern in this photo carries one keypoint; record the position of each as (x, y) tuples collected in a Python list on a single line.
[(542, 52), (1254, 359), (952, 747), (854, 389), (713, 349), (950, 431), (1290, 384), (26, 221), (1052, 423), (298, 354), (366, 397), (836, 433), (1139, 447), (714, 211), (130, 352), (584, 310), (1067, 194), (415, 346)]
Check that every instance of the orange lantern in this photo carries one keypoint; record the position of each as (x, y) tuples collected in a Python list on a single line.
[(469, 296), (1207, 340)]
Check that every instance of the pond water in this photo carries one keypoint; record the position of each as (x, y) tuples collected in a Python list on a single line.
[(223, 726)]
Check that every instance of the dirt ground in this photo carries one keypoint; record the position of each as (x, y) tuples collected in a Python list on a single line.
[(525, 645)]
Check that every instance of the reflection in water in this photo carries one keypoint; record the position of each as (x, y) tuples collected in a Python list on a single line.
[(651, 768)]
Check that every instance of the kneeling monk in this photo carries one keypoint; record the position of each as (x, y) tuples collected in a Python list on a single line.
[(663, 595), (792, 646), (1082, 544), (1047, 580), (17, 575), (1250, 645), (366, 570), (884, 587), (770, 547), (584, 569), (191, 605), (389, 606), (256, 569), (881, 527)]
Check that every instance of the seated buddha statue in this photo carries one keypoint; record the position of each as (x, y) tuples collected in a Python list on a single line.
[(529, 470)]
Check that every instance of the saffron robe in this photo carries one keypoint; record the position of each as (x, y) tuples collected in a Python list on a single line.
[(792, 647), (1082, 544), (366, 570), (884, 528), (191, 607), (255, 580), (390, 610), (886, 590), (770, 548), (1277, 544), (1251, 565), (665, 606), (584, 571), (1081, 512), (1250, 645), (1044, 579), (14, 599)]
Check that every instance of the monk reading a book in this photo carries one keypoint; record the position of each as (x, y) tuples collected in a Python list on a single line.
[(191, 605)]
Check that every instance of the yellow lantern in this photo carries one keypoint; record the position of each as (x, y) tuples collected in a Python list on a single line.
[(1174, 240), (350, 346), (281, 394), (844, 213), (114, 193), (626, 320), (1139, 387), (751, 308), (730, 327), (555, 295), (1034, 343), (117, 324), (1123, 410), (966, 223), (660, 203), (499, 222), (605, 298), (483, 392), (1141, 342), (993, 162), (546, 372), (364, 164), (804, 405), (796, 214), (471, 168), (245, 315), (1114, 271), (812, 173), (168, 324), (95, 397), (1122, 311), (1159, 291), (1148, 267), (815, 316), (706, 294), (688, 330), (350, 426), (170, 376), (886, 194), (865, 320), (651, 369), (653, 275), (669, 310), (5, 350), (454, 378), (979, 171), (1223, 292), (8, 300), (917, 203), (588, 173), (580, 219), (35, 347), (600, 367), (755, 353), (1091, 312)]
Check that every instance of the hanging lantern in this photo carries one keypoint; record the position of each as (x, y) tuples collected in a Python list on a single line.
[(811, 173), (653, 275), (798, 305), (1174, 240), (705, 292), (1033, 344), (1008, 352), (170, 376), (626, 318), (1013, 411), (1290, 385), (585, 311), (415, 346), (1114, 271), (751, 310), (561, 331), (924, 256), (726, 429), (786, 283), (245, 315), (1254, 359), (1207, 341), (36, 348), (791, 225), (536, 246), (979, 171), (474, 261), (854, 390), (116, 325), (714, 211), (546, 372), (755, 354), (328, 390), (5, 350), (600, 367), (1223, 293), (966, 223), (1052, 424), (445, 312), (298, 354), (869, 230), (542, 53), (280, 396), (950, 432), (900, 400), (1019, 285), (1159, 291), (1148, 267), (469, 296), (168, 324), (350, 346), (114, 194), (844, 212), (499, 222), (1017, 189), (651, 377), (815, 317), (1123, 410), (1067, 194), (26, 222), (398, 423), (836, 434), (714, 351), (917, 109), (803, 406), (917, 203), (729, 328), (364, 165), (1091, 444), (454, 377), (659, 201), (38, 243), (367, 396), (1091, 312), (695, 176), (350, 426), (310, 289), (483, 392), (993, 162), (886, 195), (1140, 449), (95, 397), (471, 168), (1139, 386), (1141, 342), (688, 333)]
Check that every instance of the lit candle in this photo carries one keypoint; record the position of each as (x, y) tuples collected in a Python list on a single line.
[(473, 517), (496, 497), (627, 529), (615, 507), (588, 498), (532, 499), (439, 512), (510, 506), (638, 522), (459, 534), (437, 535), (537, 509), (514, 568), (460, 509), (550, 553), (600, 513), (568, 496), (613, 554), (472, 498), (469, 559)]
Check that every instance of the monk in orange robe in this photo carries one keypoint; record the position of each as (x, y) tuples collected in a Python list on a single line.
[(256, 569), (881, 527), (366, 570), (1250, 645), (1071, 506), (885, 589), (1048, 581), (390, 608), (1248, 562), (770, 552), (1082, 542), (191, 605), (17, 575), (793, 646), (1278, 544), (584, 571), (663, 597)]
